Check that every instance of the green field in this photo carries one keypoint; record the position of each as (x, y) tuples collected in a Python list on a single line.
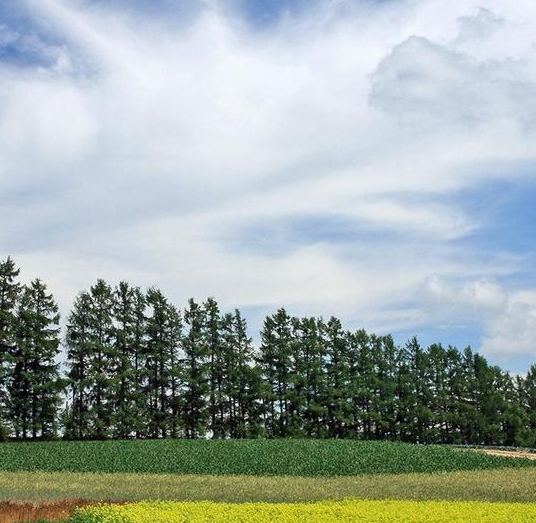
[(306, 458)]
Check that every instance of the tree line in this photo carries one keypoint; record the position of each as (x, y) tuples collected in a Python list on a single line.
[(135, 366)]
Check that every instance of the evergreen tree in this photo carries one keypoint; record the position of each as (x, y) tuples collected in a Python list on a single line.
[(337, 367), (362, 384), (163, 334), (92, 363), (441, 380), (513, 419), (385, 357), (10, 290), (218, 402), (527, 396), (174, 337), (472, 420), (34, 385), (455, 385), (244, 381), (129, 306), (310, 379), (78, 336), (195, 372), (419, 394), (275, 360), (494, 389)]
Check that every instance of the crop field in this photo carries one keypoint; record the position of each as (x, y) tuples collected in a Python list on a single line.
[(246, 457), (347, 511), (283, 477)]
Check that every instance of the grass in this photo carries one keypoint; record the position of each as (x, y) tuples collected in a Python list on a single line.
[(507, 485), (311, 458)]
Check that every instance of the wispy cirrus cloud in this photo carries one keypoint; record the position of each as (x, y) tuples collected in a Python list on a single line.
[(315, 157)]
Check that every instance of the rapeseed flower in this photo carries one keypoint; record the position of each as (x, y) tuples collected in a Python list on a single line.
[(355, 511)]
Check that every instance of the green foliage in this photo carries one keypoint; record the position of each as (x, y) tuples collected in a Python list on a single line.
[(9, 294), (138, 367), (251, 457), (34, 383)]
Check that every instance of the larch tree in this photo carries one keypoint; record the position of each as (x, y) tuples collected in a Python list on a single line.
[(310, 379), (194, 365), (161, 384), (91, 363), (10, 290), (129, 311), (275, 360), (34, 385)]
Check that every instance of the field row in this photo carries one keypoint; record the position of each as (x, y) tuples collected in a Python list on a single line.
[(246, 457), (321, 512), (507, 485)]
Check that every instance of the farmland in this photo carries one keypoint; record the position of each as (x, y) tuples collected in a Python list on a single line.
[(259, 471), (262, 457), (321, 512), (490, 485)]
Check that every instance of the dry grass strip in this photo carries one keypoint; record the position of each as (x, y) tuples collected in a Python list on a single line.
[(506, 485)]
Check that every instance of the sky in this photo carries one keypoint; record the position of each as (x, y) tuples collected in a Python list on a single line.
[(371, 160)]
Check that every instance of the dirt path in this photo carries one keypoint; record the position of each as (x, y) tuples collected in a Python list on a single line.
[(510, 453), (21, 511)]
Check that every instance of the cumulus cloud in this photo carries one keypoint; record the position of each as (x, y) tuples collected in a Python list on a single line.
[(508, 317), (433, 84), (316, 161), (481, 24)]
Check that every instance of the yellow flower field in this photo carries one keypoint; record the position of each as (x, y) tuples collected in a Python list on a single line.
[(322, 512)]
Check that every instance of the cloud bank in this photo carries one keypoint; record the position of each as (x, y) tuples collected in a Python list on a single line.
[(318, 157)]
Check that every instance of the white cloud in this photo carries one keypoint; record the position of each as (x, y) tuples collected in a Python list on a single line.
[(49, 118), (481, 24), (430, 84), (161, 153), (508, 317), (513, 330)]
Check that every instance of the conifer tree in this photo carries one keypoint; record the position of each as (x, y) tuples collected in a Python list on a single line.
[(414, 413), (513, 421), (339, 411), (163, 338), (129, 305), (218, 402), (472, 420), (195, 372), (275, 360), (386, 357), (34, 384), (439, 404), (527, 396), (363, 383), (78, 342), (91, 361), (310, 380), (10, 290), (240, 380)]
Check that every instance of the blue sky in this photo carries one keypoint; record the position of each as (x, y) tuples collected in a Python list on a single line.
[(370, 160)]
